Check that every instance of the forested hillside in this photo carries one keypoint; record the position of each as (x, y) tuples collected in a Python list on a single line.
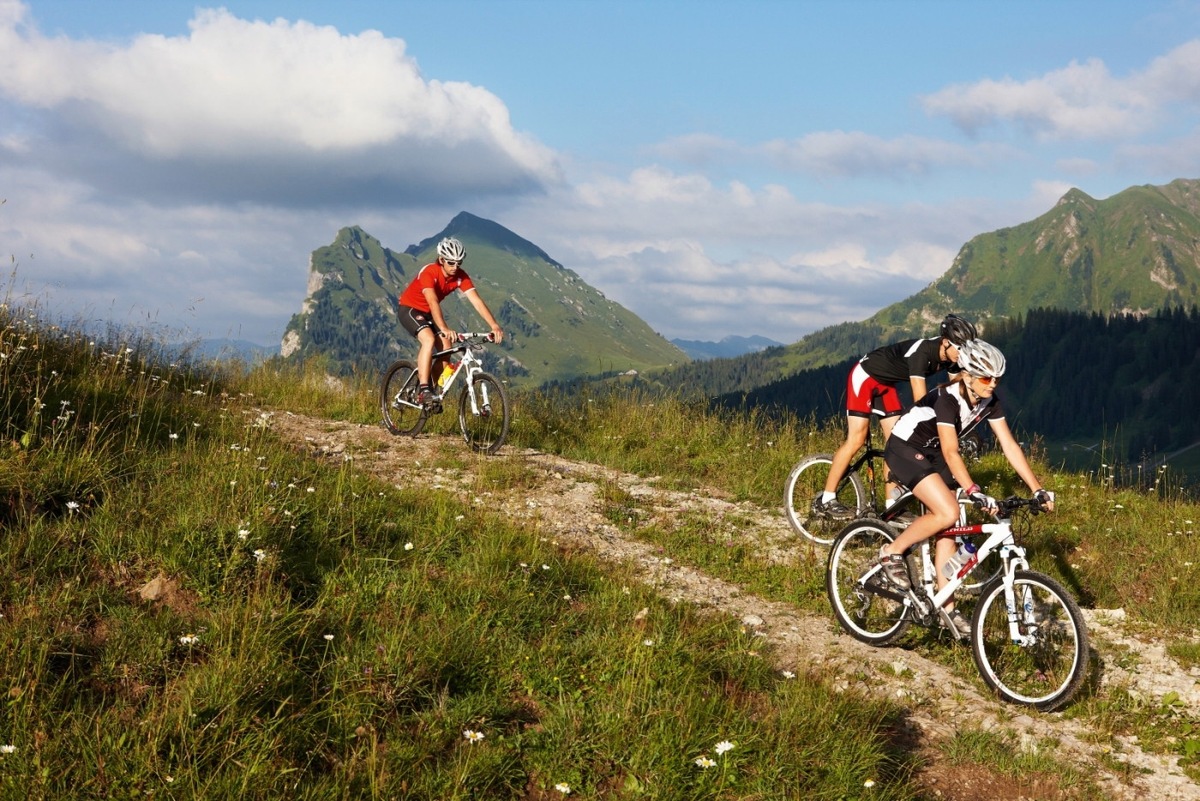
[(1125, 378), (1134, 252)]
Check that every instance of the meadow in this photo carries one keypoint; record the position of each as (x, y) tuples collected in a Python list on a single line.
[(191, 608)]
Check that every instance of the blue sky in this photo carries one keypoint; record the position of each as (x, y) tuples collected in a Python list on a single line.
[(755, 167)]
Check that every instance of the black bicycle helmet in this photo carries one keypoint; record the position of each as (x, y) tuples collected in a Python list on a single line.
[(958, 330)]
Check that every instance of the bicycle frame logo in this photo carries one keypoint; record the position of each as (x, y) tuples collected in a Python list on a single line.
[(964, 531)]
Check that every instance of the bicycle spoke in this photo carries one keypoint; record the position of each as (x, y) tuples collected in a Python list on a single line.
[(398, 400), (866, 615), (805, 484), (1045, 664), (483, 413)]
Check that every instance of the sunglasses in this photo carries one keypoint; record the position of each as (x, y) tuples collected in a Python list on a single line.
[(985, 379), (452, 262)]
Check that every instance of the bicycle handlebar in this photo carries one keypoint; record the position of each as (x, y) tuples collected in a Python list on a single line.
[(1005, 507), (463, 337)]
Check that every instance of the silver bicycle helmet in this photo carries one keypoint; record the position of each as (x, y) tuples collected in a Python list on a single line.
[(451, 249), (981, 358), (958, 330)]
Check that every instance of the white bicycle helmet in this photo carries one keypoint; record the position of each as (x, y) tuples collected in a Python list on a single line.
[(981, 358), (451, 249)]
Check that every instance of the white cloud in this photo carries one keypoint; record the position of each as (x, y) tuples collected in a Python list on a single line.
[(1169, 159), (836, 154), (285, 112), (1174, 77), (854, 153), (1080, 101), (188, 178), (1077, 166), (699, 149), (1045, 194)]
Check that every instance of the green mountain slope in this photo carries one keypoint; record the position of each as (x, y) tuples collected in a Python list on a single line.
[(1137, 251), (558, 326)]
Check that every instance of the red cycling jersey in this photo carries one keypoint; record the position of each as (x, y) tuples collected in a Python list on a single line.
[(432, 277)]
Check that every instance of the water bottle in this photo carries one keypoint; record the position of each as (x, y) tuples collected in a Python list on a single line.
[(964, 555), (447, 371)]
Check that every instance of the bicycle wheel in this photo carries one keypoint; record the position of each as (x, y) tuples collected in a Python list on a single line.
[(483, 413), (862, 611), (1047, 670), (398, 399), (806, 482)]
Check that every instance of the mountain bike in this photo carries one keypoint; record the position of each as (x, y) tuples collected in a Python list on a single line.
[(1028, 636), (860, 490), (482, 402)]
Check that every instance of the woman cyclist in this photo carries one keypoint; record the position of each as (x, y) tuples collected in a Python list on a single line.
[(922, 454)]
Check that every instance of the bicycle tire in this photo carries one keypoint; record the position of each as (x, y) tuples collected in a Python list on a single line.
[(402, 415), (485, 430), (804, 483), (865, 615), (1046, 674)]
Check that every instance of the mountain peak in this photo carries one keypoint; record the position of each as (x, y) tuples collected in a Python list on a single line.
[(557, 326), (470, 229), (1076, 196)]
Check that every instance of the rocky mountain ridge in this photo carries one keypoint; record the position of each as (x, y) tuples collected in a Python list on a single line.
[(558, 327)]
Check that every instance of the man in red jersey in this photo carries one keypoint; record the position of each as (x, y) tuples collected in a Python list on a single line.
[(421, 308)]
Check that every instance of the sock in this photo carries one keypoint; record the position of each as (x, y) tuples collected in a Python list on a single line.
[(826, 497)]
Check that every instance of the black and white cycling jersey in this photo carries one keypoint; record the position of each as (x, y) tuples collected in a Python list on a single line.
[(946, 405), (900, 361)]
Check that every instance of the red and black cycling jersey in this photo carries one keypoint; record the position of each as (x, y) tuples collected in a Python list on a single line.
[(947, 405), (432, 277), (900, 361)]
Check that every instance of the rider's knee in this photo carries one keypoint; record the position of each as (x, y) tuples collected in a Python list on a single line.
[(946, 518)]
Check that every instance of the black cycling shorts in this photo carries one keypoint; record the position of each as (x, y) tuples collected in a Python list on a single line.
[(909, 465), (414, 320)]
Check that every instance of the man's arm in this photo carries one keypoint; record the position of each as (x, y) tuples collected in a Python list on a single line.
[(435, 311), (486, 314)]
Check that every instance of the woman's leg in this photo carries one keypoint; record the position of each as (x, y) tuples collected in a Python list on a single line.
[(942, 512)]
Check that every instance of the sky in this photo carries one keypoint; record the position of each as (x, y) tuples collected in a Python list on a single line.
[(758, 167)]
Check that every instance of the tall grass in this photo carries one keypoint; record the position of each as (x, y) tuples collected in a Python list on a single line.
[(191, 609)]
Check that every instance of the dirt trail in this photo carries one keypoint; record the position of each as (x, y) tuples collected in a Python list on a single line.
[(565, 502)]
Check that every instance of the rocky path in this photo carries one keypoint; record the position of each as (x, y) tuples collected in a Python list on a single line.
[(565, 501)]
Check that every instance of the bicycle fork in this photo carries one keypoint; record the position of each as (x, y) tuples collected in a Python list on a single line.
[(1022, 616), (481, 404)]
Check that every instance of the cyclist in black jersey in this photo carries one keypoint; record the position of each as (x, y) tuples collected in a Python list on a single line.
[(871, 390), (923, 454)]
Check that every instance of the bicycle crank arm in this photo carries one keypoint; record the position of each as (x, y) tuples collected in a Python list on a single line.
[(887, 592)]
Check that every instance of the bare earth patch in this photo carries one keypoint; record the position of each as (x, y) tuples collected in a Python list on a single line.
[(563, 499)]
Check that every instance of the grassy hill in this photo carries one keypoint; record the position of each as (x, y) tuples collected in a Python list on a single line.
[(559, 327), (193, 607)]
